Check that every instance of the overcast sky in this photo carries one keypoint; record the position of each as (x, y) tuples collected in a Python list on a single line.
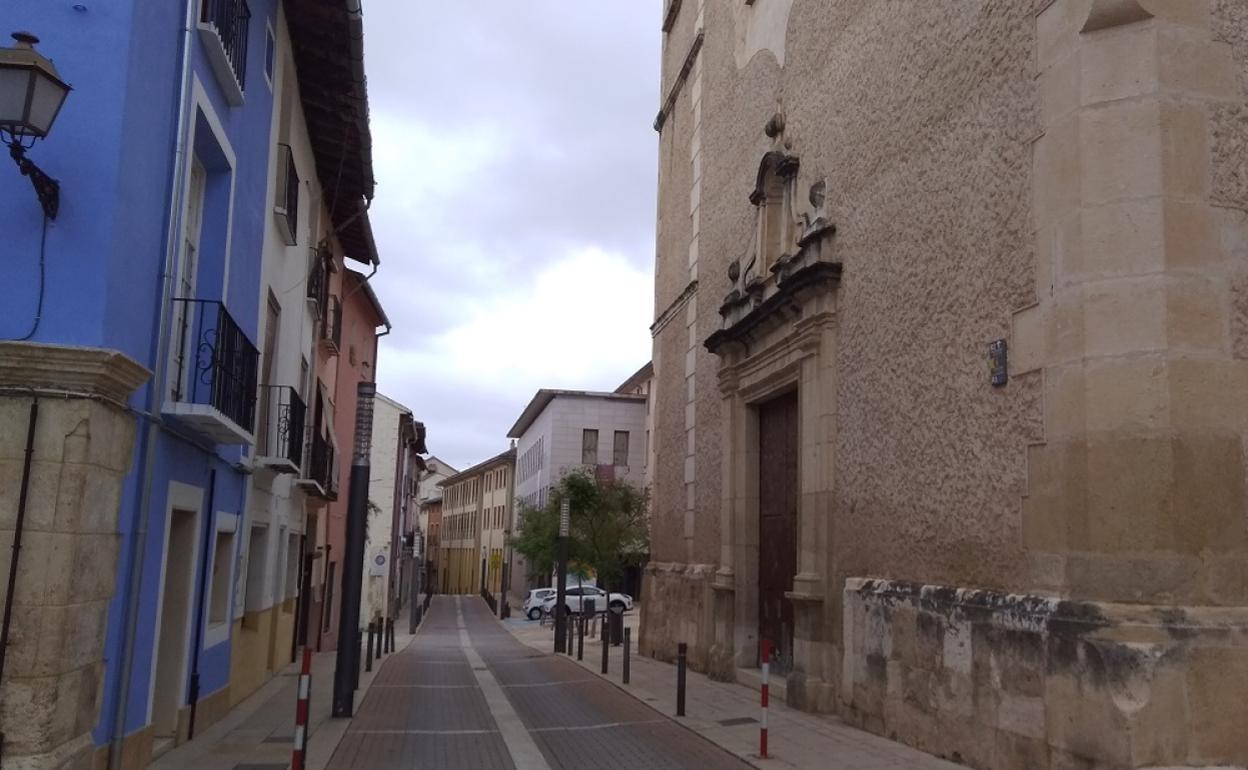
[(516, 173)]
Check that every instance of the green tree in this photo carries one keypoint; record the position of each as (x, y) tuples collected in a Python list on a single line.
[(609, 527)]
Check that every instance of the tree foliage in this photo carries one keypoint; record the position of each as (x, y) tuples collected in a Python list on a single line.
[(609, 527)]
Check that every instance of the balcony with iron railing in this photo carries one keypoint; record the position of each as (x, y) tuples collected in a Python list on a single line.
[(286, 207), (279, 433), (215, 366), (223, 27), (318, 280), (319, 476), (331, 326)]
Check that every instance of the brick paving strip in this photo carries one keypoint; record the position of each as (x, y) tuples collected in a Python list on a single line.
[(524, 752), (727, 714), (467, 695)]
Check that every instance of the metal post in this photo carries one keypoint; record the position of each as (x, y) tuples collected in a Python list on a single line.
[(561, 620), (580, 641), (300, 752), (372, 633), (682, 651), (628, 643), (353, 560), (413, 610), (355, 663), (762, 728), (606, 649)]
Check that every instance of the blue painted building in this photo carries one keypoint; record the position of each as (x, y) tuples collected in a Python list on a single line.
[(162, 151)]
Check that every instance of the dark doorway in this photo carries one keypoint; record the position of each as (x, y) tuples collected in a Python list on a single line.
[(777, 523)]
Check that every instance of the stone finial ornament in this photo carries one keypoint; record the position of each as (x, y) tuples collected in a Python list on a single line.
[(775, 126), (1114, 13)]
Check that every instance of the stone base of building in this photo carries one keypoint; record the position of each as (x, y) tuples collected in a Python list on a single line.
[(211, 709), (997, 680), (260, 646), (74, 755), (677, 608), (136, 751), (82, 444)]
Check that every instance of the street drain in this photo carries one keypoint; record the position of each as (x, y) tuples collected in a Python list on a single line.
[(737, 721)]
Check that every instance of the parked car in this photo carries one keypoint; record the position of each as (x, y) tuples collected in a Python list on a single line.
[(534, 601), (576, 594)]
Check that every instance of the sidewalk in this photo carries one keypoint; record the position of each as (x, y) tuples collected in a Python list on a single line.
[(727, 714), (259, 732)]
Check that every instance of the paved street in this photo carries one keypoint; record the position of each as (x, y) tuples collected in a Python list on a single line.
[(466, 694)]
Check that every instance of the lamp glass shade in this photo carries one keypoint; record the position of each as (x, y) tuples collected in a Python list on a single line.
[(47, 96), (14, 90)]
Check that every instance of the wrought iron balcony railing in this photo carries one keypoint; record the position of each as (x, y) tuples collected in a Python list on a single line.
[(287, 205), (231, 20), (279, 435), (320, 470), (318, 279), (216, 365), (331, 325)]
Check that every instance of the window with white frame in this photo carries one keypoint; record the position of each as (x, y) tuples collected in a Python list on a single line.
[(222, 570)]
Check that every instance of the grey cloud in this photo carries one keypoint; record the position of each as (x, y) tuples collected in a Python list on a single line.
[(567, 90)]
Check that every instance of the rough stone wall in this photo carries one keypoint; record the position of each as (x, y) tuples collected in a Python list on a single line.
[(677, 609), (67, 574), (1229, 149), (921, 124), (998, 680)]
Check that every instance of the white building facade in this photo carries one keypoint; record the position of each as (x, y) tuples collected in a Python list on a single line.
[(564, 430)]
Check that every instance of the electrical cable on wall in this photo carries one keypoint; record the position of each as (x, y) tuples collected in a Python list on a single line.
[(43, 252)]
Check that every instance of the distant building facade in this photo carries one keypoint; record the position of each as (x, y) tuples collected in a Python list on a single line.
[(394, 467), (949, 348), (476, 508), (429, 516), (563, 430)]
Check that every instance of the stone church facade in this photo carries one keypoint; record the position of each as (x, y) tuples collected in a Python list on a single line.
[(951, 369)]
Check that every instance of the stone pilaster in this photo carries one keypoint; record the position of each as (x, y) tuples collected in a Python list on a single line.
[(50, 696), (1137, 493)]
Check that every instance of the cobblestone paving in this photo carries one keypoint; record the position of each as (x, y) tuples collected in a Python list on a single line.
[(468, 695)]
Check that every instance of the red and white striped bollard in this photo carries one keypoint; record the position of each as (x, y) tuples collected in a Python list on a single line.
[(301, 712), (762, 730)]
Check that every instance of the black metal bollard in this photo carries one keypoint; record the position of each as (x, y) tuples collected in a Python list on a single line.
[(616, 622), (372, 632), (390, 633), (606, 648), (628, 643), (359, 655), (569, 631), (682, 650), (580, 640)]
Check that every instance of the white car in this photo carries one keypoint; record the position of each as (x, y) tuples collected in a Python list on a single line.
[(576, 594), (534, 601)]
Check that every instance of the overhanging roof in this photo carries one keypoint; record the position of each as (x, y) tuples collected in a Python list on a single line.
[(328, 41), (545, 396), (364, 286)]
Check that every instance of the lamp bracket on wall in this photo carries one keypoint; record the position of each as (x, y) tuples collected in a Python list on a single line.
[(47, 188)]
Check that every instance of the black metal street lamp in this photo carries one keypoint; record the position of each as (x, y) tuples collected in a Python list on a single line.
[(31, 95)]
